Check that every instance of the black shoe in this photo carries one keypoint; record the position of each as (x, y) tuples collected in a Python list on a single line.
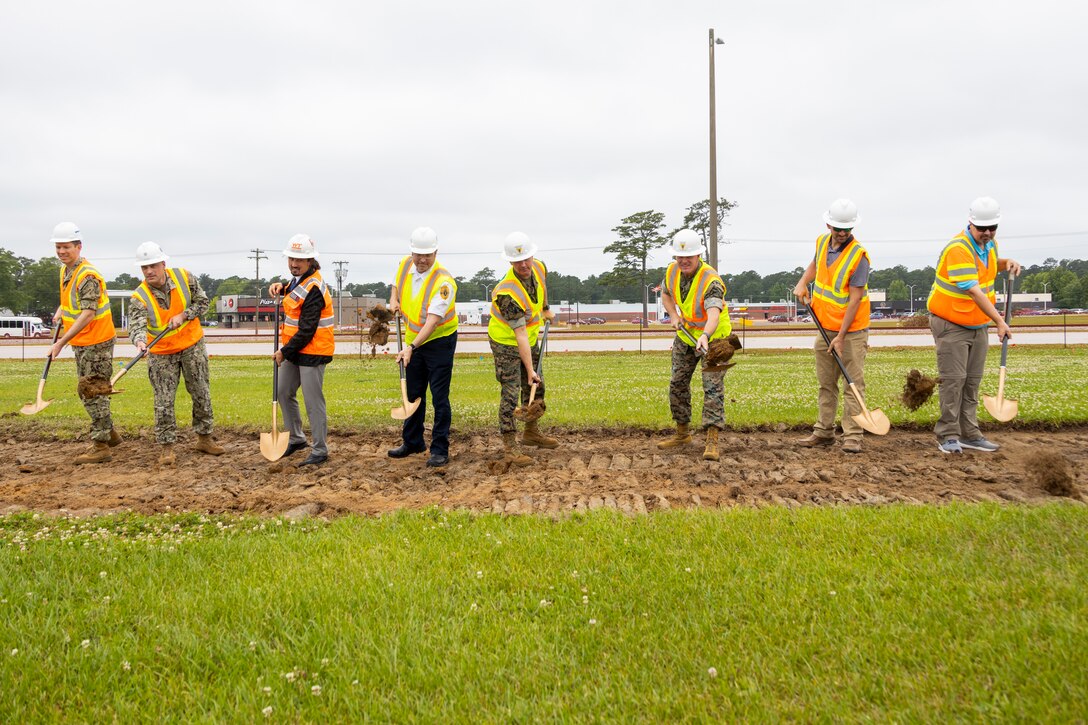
[(437, 459), (295, 448), (313, 460), (402, 451)]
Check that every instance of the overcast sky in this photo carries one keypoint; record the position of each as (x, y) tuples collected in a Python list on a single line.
[(215, 128)]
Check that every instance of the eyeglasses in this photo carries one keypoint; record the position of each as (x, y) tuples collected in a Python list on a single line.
[(991, 228), (842, 230)]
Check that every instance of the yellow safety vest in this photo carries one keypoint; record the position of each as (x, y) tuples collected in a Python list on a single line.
[(498, 329), (100, 328), (831, 293), (158, 319), (414, 302), (691, 307)]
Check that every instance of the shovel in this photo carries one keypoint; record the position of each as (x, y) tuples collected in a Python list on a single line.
[(529, 413), (1001, 409), (405, 411), (873, 420), (274, 444), (139, 356), (39, 405)]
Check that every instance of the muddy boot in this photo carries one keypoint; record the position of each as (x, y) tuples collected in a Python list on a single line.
[(533, 437), (167, 457), (681, 437), (710, 453), (97, 453), (513, 453), (205, 444), (115, 438)]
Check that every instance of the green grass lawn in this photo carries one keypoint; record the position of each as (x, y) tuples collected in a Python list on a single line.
[(893, 614), (585, 389)]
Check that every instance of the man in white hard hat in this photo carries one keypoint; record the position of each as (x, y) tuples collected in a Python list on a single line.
[(961, 307), (694, 296), (840, 301), (519, 306), (308, 346), (87, 319), (425, 294), (170, 302)]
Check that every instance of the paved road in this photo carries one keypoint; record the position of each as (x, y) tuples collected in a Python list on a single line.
[(35, 349)]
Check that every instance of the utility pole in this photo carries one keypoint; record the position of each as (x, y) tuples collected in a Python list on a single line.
[(340, 276), (713, 251), (258, 255)]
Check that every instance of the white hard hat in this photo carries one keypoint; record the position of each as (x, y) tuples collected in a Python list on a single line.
[(984, 212), (517, 247), (300, 246), (843, 214), (149, 253), (66, 232), (687, 243), (424, 241)]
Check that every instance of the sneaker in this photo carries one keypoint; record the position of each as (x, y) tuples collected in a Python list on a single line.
[(851, 445), (950, 446), (980, 444)]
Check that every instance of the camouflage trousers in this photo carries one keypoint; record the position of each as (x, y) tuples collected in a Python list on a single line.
[(163, 371), (97, 361), (514, 381), (684, 363)]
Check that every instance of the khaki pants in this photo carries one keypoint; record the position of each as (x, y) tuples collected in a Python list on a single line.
[(961, 362), (854, 347)]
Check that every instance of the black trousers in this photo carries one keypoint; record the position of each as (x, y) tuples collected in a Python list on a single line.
[(431, 366)]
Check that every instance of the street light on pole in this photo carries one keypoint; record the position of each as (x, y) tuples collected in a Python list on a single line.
[(713, 220), (911, 286), (1045, 285)]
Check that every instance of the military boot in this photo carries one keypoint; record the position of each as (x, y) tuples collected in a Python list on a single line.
[(681, 437), (533, 437), (513, 453), (167, 457), (710, 453), (115, 438), (205, 444), (97, 453)]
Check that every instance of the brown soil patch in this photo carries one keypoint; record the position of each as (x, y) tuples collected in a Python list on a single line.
[(917, 389), (1050, 469), (618, 469)]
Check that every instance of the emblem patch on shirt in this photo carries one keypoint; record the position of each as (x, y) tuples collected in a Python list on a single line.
[(444, 290)]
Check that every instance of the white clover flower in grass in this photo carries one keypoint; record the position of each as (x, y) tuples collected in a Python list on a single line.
[(315, 690), (266, 690), (593, 622), (14, 651), (324, 661), (356, 682), (85, 643), (126, 666), (252, 646), (479, 575), (267, 712), (713, 672), (101, 575), (473, 607), (289, 676)]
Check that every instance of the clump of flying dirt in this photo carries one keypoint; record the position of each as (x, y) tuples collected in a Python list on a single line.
[(531, 412), (1051, 470), (720, 352), (917, 389), (378, 334), (91, 386)]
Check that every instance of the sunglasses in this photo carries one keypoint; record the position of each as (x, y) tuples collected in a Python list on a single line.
[(842, 230), (991, 228)]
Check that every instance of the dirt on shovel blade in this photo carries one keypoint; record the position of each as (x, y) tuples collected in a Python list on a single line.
[(1051, 470), (535, 411), (918, 389), (93, 386)]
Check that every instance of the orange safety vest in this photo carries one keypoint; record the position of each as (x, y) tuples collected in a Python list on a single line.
[(960, 262), (690, 308), (323, 342), (100, 328), (414, 302), (158, 319), (497, 328), (831, 293)]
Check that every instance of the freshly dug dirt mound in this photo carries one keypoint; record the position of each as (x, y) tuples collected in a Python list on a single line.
[(618, 468), (1051, 471), (917, 389)]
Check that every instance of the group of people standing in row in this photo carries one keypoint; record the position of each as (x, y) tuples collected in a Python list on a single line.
[(167, 307)]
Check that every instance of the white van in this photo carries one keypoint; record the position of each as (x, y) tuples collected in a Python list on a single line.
[(23, 327)]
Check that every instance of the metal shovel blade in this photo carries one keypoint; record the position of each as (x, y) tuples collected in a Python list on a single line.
[(874, 421), (274, 444), (38, 405), (404, 411), (1001, 409)]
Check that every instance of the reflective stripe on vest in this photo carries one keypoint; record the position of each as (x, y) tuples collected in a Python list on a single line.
[(100, 328), (956, 305), (324, 341), (414, 306), (831, 291), (497, 328), (691, 309), (158, 319)]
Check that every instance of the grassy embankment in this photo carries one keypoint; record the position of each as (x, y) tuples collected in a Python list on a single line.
[(585, 389)]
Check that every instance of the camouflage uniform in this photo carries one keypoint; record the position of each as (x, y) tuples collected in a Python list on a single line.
[(94, 361), (684, 363), (164, 370), (509, 371)]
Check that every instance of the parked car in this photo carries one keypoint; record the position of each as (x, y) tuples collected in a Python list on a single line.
[(778, 318), (637, 320), (593, 320)]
